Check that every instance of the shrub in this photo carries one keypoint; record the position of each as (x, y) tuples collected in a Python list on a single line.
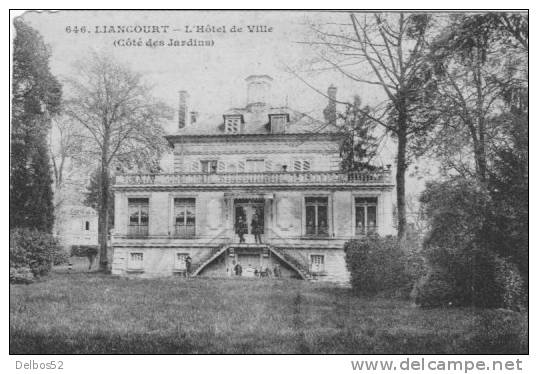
[(513, 293), (435, 289), (469, 276), (34, 250), (500, 331), (20, 275), (376, 265), (84, 250)]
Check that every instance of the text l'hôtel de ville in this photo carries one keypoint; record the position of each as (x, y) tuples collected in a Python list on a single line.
[(188, 29)]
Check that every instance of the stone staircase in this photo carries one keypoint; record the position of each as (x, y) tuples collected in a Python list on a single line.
[(290, 260), (206, 260), (283, 256)]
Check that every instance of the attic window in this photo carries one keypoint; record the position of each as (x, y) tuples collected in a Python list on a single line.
[(232, 124), (278, 122)]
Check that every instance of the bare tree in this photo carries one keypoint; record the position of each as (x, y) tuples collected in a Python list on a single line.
[(386, 51), (121, 119), (481, 68), (66, 145)]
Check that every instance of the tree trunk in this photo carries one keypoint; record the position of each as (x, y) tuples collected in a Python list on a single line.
[(401, 167), (103, 219), (103, 210)]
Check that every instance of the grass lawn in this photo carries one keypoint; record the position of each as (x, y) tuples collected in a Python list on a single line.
[(88, 312)]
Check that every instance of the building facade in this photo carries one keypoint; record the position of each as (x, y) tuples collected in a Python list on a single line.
[(76, 225), (256, 169)]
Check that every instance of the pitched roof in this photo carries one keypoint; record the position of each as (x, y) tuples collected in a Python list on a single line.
[(256, 119)]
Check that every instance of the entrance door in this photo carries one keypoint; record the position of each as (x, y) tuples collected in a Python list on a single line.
[(247, 211)]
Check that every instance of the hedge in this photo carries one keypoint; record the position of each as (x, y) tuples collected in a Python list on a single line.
[(34, 250)]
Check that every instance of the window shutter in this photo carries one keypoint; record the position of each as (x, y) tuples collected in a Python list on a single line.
[(195, 166), (268, 165), (297, 165), (221, 166), (241, 166), (306, 165)]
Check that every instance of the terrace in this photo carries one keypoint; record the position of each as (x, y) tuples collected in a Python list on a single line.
[(303, 178)]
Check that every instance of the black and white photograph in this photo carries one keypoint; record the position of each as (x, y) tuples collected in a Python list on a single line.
[(270, 182)]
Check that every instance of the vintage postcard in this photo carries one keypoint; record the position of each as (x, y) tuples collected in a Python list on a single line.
[(270, 182)]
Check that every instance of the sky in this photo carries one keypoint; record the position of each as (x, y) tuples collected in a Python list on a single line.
[(213, 76)]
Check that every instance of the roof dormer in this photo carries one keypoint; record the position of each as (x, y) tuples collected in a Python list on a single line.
[(233, 123), (278, 121)]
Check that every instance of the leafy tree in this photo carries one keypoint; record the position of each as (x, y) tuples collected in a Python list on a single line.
[(121, 120), (359, 145), (469, 265), (479, 65), (36, 98), (92, 195)]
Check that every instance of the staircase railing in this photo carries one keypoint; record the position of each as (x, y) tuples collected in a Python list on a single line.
[(215, 251), (305, 272)]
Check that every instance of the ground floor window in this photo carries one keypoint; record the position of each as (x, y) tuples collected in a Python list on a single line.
[(316, 209), (365, 215), (135, 261), (317, 263), (138, 216), (184, 217)]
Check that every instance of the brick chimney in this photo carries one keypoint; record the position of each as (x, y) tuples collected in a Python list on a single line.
[(258, 91), (330, 111), (182, 109)]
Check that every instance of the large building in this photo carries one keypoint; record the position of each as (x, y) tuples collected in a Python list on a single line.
[(276, 170)]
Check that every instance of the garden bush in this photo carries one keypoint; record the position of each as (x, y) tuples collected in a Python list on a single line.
[(377, 265), (500, 331), (435, 289), (34, 250), (20, 275), (513, 294), (84, 250), (469, 276)]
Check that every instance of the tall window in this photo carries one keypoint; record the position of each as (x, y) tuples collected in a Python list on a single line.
[(232, 124), (209, 166), (87, 226), (365, 215), (316, 216), (317, 263), (138, 217), (185, 217), (255, 166)]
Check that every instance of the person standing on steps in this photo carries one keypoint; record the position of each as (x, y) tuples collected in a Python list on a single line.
[(241, 229), (257, 228)]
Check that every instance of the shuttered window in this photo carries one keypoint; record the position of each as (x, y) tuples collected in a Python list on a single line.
[(301, 165)]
